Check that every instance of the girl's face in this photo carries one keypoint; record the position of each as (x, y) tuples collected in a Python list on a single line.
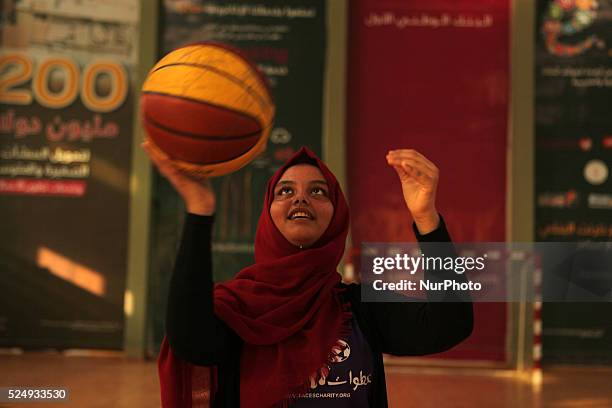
[(301, 209)]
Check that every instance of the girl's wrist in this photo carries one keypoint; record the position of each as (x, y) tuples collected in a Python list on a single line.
[(427, 222), (200, 209)]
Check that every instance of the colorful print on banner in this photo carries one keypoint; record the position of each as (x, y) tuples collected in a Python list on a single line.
[(573, 136), (432, 76), (573, 129), (44, 150), (66, 110)]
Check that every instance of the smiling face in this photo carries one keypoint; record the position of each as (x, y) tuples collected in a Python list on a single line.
[(301, 209)]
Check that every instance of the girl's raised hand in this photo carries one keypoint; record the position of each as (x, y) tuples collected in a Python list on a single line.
[(419, 179), (197, 193)]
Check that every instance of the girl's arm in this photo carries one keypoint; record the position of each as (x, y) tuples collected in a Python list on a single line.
[(418, 328), (194, 332)]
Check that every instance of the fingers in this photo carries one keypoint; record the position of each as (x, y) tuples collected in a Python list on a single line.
[(409, 164), (413, 168), (155, 154), (411, 153), (401, 172), (416, 160), (407, 172), (414, 155), (160, 160), (168, 168)]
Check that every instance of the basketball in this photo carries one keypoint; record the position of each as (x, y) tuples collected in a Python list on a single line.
[(208, 108)]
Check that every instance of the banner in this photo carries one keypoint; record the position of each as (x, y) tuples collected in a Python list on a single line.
[(65, 159), (432, 76), (573, 133), (287, 40)]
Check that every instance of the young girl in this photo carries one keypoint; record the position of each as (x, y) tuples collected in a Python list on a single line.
[(286, 330)]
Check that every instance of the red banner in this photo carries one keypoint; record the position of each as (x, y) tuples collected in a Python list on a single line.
[(432, 76)]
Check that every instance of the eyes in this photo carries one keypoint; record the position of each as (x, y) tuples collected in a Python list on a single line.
[(286, 191)]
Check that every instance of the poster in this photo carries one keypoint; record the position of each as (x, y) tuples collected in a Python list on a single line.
[(573, 142), (432, 76), (286, 40), (66, 109)]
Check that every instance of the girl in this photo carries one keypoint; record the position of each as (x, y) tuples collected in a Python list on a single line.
[(286, 330)]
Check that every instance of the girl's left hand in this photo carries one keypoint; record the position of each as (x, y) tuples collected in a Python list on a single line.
[(419, 178)]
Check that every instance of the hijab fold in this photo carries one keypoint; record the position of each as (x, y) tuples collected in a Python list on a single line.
[(285, 307)]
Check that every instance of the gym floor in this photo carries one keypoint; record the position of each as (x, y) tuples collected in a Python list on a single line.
[(109, 380)]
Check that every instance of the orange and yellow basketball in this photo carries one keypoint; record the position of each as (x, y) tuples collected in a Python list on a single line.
[(208, 108)]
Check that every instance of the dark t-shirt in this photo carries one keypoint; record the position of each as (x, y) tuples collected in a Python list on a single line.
[(346, 380)]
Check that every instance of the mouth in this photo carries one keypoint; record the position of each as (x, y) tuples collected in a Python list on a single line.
[(300, 214)]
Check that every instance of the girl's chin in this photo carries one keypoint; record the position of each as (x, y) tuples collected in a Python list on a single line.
[(303, 242), (304, 236)]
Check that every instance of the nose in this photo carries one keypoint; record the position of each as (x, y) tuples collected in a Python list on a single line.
[(300, 198)]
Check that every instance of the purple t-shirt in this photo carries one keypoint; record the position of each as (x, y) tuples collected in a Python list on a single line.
[(346, 381)]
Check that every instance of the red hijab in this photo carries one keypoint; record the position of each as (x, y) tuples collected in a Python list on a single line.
[(285, 307)]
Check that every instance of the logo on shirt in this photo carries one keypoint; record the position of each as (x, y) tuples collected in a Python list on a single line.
[(340, 352), (339, 384)]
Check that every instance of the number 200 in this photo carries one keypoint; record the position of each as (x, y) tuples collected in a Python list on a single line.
[(23, 71)]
